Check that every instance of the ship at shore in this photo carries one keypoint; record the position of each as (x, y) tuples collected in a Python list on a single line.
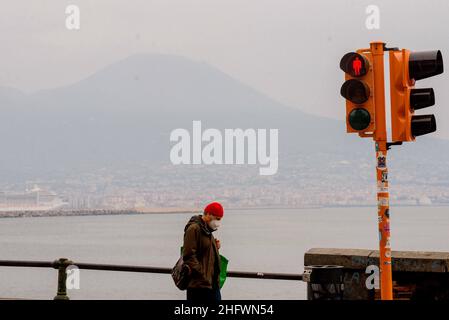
[(35, 199)]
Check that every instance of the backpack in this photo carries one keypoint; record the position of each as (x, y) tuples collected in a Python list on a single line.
[(179, 274)]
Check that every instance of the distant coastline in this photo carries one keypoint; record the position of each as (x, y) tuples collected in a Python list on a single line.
[(168, 210), (92, 212)]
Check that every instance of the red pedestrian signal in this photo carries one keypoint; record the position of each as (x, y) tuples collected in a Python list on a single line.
[(354, 64), (357, 66)]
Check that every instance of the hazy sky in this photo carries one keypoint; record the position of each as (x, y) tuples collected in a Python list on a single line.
[(287, 49)]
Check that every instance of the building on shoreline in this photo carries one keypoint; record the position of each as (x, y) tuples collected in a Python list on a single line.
[(35, 199)]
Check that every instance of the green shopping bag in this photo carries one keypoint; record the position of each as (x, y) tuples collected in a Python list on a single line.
[(223, 268)]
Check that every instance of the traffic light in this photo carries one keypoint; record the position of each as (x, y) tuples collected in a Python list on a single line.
[(364, 91), (358, 90), (405, 69)]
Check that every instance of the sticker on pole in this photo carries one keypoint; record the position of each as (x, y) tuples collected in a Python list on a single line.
[(381, 161)]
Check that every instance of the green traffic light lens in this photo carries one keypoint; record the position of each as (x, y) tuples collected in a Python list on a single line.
[(359, 119)]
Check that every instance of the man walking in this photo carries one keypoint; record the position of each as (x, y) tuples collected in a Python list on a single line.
[(201, 256)]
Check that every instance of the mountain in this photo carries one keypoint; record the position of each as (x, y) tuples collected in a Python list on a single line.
[(125, 112)]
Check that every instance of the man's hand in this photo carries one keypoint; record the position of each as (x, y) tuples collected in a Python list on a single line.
[(218, 243)]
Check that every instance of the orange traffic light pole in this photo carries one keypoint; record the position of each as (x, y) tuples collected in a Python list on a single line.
[(379, 135), (380, 138)]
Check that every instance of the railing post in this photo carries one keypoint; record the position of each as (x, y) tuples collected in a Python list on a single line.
[(62, 265)]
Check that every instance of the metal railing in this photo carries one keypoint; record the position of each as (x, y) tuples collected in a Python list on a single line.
[(62, 264)]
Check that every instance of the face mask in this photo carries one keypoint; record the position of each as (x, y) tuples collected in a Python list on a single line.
[(214, 224)]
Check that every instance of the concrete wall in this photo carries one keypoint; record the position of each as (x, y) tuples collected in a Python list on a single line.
[(416, 274)]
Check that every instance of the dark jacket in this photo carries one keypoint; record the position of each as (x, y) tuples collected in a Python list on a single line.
[(200, 253)]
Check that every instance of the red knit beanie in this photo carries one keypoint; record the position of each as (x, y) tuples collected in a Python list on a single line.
[(214, 209)]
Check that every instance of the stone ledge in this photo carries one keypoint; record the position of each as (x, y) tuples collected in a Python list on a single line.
[(402, 261)]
